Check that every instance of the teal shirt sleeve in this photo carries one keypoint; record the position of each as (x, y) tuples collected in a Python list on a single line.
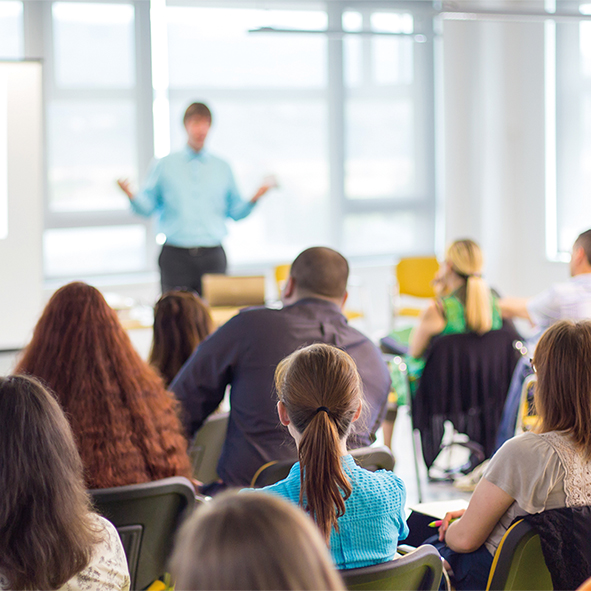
[(149, 199), (236, 207)]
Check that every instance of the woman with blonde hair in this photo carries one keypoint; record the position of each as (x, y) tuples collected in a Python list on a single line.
[(246, 541), (359, 513), (465, 303), (549, 468)]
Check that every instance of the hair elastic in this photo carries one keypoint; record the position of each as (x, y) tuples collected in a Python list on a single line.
[(322, 409)]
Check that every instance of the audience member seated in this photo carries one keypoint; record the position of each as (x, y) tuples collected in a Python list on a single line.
[(181, 321), (532, 472), (244, 352), (359, 513), (563, 301), (49, 536), (252, 542), (124, 421), (465, 302)]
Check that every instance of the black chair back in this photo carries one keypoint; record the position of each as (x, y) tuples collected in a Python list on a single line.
[(146, 516), (465, 381)]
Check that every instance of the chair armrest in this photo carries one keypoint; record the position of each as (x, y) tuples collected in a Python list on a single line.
[(405, 549)]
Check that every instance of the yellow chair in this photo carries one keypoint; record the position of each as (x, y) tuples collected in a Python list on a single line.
[(414, 276), (281, 277), (527, 417), (519, 562)]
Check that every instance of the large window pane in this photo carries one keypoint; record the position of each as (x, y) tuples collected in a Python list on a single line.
[(93, 45), (379, 149), (11, 29), (211, 47), (94, 251), (90, 146)]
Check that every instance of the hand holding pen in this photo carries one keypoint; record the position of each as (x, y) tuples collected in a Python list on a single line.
[(450, 517)]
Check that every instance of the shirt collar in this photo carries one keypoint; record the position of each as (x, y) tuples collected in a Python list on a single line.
[(192, 155)]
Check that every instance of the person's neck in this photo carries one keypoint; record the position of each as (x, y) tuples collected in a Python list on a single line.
[(298, 296), (454, 283), (196, 149)]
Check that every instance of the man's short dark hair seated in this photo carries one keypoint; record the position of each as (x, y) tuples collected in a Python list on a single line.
[(322, 271)]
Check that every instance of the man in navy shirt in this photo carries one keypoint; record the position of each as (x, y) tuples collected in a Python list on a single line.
[(193, 192), (244, 352)]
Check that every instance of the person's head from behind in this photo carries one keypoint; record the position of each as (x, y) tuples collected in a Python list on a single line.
[(464, 260), (125, 421), (320, 396), (181, 321), (197, 122), (562, 395), (318, 272), (580, 260), (251, 541), (46, 533)]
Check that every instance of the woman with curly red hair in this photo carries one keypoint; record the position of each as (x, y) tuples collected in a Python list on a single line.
[(125, 422)]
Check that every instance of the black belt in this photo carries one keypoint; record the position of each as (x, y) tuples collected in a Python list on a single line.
[(195, 250)]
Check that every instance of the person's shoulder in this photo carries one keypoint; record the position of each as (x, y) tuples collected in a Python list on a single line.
[(521, 449)]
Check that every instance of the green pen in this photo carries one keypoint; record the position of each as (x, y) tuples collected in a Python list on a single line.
[(438, 522)]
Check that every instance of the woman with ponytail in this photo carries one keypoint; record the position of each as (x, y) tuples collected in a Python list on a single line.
[(465, 302), (359, 513)]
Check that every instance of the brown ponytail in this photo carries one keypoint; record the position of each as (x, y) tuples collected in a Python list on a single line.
[(321, 391)]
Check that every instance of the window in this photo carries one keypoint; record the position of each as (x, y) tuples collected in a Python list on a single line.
[(92, 112), (376, 198), (11, 29), (334, 99)]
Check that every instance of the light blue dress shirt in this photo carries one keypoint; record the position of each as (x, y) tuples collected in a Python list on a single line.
[(193, 193), (374, 518)]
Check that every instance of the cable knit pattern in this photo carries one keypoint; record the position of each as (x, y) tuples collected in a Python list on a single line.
[(374, 518), (577, 480)]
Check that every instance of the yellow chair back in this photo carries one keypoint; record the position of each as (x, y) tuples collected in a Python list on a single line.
[(415, 274)]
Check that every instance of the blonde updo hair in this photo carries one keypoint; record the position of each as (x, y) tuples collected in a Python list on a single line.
[(466, 260)]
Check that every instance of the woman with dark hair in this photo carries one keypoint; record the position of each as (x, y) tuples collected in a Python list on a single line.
[(536, 471), (252, 542), (181, 321), (49, 536), (124, 421), (359, 513)]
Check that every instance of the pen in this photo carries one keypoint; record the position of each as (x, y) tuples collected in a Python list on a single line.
[(439, 522)]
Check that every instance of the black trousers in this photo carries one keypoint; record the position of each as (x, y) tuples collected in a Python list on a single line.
[(182, 268)]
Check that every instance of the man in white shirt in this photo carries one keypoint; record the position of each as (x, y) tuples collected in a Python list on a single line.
[(570, 300)]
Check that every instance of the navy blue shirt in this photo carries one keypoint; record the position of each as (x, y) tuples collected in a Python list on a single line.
[(244, 353)]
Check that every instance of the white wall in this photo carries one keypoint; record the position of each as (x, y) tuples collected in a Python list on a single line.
[(21, 273), (494, 150)]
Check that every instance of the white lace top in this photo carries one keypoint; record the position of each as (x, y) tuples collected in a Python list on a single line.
[(540, 472), (107, 570)]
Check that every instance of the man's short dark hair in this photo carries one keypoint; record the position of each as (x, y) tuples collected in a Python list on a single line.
[(584, 242), (200, 110), (322, 271)]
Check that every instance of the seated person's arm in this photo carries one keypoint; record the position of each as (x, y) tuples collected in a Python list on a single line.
[(487, 505), (514, 308), (431, 323)]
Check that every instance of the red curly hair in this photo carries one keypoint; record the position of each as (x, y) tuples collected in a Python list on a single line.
[(125, 422)]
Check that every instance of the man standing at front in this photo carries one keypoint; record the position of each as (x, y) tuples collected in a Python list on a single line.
[(244, 353), (192, 192)]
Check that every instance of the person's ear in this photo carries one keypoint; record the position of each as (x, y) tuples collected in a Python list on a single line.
[(282, 412), (358, 411), (344, 299), (289, 287)]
